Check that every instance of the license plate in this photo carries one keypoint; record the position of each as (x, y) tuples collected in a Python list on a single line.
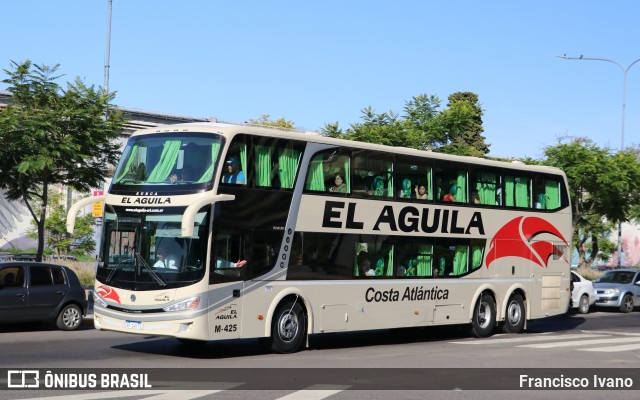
[(134, 325)]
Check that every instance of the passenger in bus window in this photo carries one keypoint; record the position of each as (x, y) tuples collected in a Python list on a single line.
[(405, 192), (421, 192), (378, 186), (222, 263), (475, 198), (451, 196), (365, 264), (340, 186), (141, 172), (165, 260), (234, 174)]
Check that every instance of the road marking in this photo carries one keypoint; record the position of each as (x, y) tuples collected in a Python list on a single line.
[(531, 338), (613, 349), (579, 343), (315, 392)]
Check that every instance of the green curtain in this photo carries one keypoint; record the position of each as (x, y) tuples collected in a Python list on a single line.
[(461, 195), (509, 188), (429, 185), (390, 263), (315, 176), (460, 260), (552, 194), (347, 174), (208, 174), (126, 170), (288, 163), (476, 256), (390, 180), (263, 166), (522, 192), (167, 161), (243, 162), (486, 187), (424, 260)]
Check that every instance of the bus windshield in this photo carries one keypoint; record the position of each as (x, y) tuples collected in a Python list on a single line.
[(147, 252), (168, 160)]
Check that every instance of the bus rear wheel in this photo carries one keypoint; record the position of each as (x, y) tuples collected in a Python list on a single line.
[(288, 328), (514, 320), (484, 317)]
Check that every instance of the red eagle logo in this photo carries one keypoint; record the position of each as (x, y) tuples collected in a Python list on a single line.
[(514, 240), (107, 292)]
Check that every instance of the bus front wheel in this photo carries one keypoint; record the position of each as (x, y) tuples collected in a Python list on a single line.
[(484, 317), (514, 320), (288, 328)]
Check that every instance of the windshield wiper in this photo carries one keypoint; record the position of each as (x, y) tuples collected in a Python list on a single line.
[(150, 270)]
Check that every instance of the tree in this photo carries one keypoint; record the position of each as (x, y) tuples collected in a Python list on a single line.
[(455, 130), (278, 123), (604, 187), (53, 136), (57, 238), (462, 122)]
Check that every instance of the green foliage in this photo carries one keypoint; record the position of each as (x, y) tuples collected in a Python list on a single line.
[(52, 135), (604, 188), (455, 130), (57, 239), (278, 123)]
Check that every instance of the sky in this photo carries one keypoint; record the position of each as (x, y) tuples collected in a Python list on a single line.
[(319, 62)]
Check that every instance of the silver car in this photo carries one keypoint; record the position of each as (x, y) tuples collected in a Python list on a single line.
[(583, 294), (619, 288)]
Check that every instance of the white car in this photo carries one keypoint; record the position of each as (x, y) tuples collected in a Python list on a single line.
[(583, 296)]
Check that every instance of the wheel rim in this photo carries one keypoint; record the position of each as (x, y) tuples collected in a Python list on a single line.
[(288, 326), (584, 304), (628, 303), (71, 317), (484, 315), (514, 313)]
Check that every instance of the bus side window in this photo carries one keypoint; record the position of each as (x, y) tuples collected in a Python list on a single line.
[(227, 251)]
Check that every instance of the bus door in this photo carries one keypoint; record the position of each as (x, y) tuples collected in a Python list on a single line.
[(227, 276)]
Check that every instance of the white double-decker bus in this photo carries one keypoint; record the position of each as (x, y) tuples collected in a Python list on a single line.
[(215, 231)]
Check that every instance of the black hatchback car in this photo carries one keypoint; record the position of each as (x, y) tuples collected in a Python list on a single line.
[(31, 291)]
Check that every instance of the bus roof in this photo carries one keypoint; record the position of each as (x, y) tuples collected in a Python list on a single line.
[(230, 130)]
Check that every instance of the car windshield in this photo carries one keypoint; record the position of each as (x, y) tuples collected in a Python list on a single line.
[(147, 251), (623, 277), (168, 161)]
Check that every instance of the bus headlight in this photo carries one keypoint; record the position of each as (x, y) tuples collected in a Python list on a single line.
[(97, 299), (188, 304)]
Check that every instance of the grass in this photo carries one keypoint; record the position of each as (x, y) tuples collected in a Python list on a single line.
[(589, 273), (86, 271)]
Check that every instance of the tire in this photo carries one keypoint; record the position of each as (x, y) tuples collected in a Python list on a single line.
[(288, 328), (484, 317), (627, 304), (516, 315), (70, 318), (583, 304)]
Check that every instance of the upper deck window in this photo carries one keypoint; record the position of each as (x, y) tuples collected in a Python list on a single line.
[(168, 160)]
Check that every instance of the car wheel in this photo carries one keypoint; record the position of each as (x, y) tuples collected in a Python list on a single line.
[(627, 304), (583, 304), (484, 317), (69, 318), (288, 328), (514, 320)]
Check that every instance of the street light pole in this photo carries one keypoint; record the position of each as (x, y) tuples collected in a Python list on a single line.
[(106, 61), (625, 71)]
